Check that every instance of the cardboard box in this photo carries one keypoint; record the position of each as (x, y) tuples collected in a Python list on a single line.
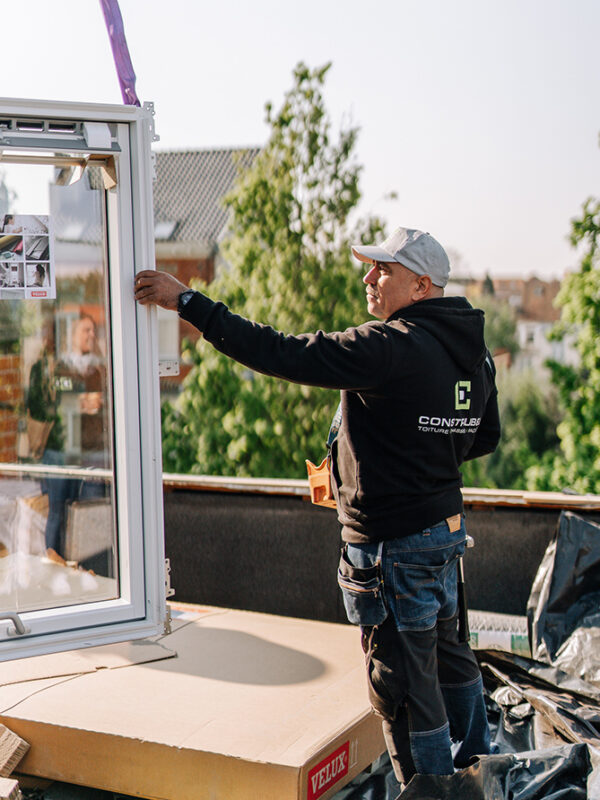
[(252, 706)]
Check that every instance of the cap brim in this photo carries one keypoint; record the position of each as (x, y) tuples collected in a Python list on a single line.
[(370, 253)]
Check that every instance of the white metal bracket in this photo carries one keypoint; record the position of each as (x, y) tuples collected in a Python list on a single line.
[(149, 107), (168, 367), (169, 591)]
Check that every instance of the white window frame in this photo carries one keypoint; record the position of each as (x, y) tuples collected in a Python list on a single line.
[(141, 608)]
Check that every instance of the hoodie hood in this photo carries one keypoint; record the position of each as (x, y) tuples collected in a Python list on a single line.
[(454, 323)]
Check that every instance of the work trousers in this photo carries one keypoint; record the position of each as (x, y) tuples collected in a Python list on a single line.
[(423, 681)]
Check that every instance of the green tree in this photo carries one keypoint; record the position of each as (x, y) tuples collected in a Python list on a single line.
[(488, 286), (288, 247), (500, 324), (577, 465), (529, 413)]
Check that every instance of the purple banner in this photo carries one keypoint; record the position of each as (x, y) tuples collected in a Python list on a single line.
[(118, 43)]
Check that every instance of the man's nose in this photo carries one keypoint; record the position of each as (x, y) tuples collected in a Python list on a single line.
[(371, 276)]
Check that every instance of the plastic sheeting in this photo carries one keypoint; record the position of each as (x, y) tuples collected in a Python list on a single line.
[(563, 611), (554, 697), (556, 773), (531, 713)]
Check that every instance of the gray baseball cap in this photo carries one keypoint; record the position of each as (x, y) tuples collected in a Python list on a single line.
[(417, 251)]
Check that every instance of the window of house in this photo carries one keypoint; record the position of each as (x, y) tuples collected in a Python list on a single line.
[(81, 559)]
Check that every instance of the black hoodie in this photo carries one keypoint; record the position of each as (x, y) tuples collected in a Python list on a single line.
[(418, 398)]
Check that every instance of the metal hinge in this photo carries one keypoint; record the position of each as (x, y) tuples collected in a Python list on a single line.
[(169, 592), (150, 108), (154, 137), (167, 629)]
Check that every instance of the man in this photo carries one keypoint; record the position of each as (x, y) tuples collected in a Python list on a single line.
[(418, 397)]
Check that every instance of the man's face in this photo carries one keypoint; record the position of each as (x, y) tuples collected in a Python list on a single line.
[(390, 287)]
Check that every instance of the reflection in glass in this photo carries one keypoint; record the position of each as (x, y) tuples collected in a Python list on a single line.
[(57, 521)]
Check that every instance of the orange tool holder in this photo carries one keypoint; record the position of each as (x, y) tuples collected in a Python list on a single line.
[(319, 482)]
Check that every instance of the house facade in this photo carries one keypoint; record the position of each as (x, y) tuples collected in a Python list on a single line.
[(189, 222), (534, 303)]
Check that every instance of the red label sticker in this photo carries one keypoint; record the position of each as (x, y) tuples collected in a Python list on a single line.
[(328, 772), (39, 293)]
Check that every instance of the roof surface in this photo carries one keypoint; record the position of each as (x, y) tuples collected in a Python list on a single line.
[(189, 188)]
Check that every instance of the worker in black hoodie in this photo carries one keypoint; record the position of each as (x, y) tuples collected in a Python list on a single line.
[(418, 398)]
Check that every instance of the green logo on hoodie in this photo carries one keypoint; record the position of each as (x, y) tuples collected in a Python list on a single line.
[(462, 401)]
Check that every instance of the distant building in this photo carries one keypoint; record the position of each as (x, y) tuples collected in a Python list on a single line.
[(531, 298), (534, 303)]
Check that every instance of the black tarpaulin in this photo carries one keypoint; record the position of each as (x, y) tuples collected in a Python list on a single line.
[(556, 773), (539, 703), (563, 611)]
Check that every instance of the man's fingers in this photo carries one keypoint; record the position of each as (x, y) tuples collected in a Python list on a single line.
[(146, 273), (144, 290), (145, 279), (161, 288), (145, 284)]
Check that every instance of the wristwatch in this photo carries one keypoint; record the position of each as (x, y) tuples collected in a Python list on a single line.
[(183, 299)]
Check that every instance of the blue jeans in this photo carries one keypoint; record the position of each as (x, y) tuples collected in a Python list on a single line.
[(423, 680)]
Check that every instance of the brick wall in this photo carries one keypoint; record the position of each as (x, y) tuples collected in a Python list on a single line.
[(11, 396)]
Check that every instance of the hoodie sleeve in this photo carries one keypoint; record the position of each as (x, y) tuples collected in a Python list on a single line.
[(488, 434), (354, 359)]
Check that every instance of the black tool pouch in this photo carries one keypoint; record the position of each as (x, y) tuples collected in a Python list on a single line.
[(362, 590)]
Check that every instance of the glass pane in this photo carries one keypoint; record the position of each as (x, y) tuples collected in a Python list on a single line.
[(58, 542)]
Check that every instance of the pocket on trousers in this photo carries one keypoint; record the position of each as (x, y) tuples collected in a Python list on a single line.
[(362, 591), (422, 591)]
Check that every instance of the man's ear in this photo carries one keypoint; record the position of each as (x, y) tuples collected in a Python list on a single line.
[(423, 286)]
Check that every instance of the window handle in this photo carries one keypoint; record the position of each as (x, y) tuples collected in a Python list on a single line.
[(20, 629)]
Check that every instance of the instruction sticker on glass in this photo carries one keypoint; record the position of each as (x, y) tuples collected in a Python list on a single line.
[(26, 257)]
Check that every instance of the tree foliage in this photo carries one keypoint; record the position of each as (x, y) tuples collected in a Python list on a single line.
[(500, 324), (577, 466), (288, 251), (529, 413)]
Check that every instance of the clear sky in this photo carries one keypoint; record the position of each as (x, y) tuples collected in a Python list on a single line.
[(482, 115)]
